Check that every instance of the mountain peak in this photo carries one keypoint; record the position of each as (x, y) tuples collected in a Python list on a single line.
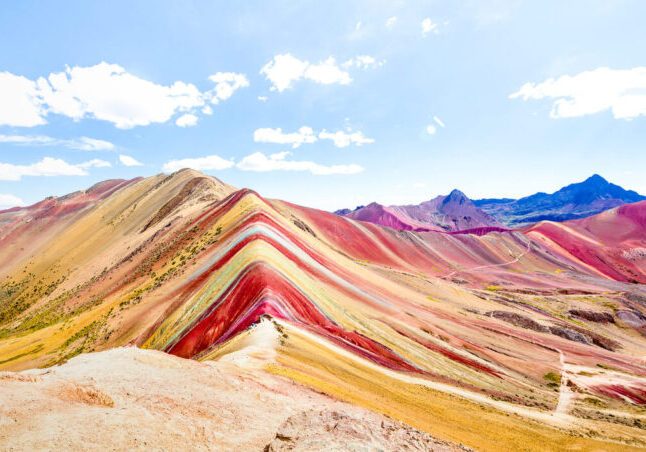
[(457, 193), (577, 200), (456, 196), (595, 179)]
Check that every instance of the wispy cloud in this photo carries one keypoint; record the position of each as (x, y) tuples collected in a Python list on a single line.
[(306, 134), (129, 161), (283, 70), (278, 162), (363, 62), (7, 200), (82, 143), (295, 139), (343, 139), (429, 27), (95, 163), (48, 166), (589, 92), (210, 162)]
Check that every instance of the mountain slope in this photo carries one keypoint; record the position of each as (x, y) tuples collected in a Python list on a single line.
[(454, 212), (618, 236), (579, 200), (448, 333)]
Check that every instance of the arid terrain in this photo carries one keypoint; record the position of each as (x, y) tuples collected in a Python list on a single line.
[(160, 402), (295, 328)]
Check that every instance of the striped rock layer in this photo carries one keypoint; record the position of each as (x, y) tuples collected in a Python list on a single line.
[(480, 338)]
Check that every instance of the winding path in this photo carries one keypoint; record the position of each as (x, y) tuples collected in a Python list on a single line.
[(565, 392), (480, 267)]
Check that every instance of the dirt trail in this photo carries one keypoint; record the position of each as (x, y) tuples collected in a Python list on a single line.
[(538, 415), (480, 267), (566, 395)]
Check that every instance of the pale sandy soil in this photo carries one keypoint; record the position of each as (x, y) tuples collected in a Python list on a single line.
[(134, 399)]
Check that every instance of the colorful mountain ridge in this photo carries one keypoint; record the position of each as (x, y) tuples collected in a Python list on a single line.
[(451, 213), (495, 341), (455, 212)]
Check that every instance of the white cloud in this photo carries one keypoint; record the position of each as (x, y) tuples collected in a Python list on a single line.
[(279, 155), (438, 121), (186, 120), (20, 106), (263, 98), (623, 92), (282, 70), (10, 201), (431, 129), (391, 21), (207, 110), (106, 92), (363, 62), (129, 161), (428, 26), (29, 140), (226, 83), (276, 162), (306, 135), (267, 135), (82, 143), (327, 73), (285, 69), (342, 139), (95, 163), (90, 144), (48, 166), (210, 162)]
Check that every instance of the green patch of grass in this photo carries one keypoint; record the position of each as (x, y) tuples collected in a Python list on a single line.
[(552, 378), (595, 402), (603, 366)]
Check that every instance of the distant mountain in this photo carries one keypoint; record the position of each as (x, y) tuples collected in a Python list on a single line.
[(454, 212), (579, 200), (344, 212)]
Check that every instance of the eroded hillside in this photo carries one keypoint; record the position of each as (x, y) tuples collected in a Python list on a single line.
[(537, 333)]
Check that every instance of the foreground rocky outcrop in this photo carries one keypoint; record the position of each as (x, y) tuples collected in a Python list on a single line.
[(134, 399), (317, 430)]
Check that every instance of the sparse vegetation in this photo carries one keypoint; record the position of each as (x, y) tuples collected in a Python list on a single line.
[(553, 380)]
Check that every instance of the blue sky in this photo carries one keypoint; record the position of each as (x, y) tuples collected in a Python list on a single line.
[(389, 101)]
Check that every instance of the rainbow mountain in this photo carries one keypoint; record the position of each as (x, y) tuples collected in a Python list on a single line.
[(509, 340)]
